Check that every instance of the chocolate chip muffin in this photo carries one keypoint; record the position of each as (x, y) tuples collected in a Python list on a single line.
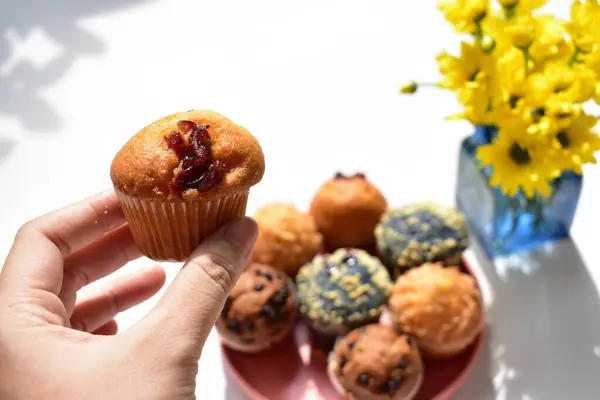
[(287, 237), (420, 233), (441, 307), (376, 363), (346, 210), (341, 291), (260, 312)]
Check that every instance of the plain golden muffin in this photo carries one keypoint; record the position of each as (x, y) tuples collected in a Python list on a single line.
[(346, 210), (287, 237), (182, 177), (441, 307)]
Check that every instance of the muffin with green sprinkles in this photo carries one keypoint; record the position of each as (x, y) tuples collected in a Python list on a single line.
[(420, 233), (341, 291)]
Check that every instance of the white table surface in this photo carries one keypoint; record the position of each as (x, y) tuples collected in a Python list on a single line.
[(316, 81)]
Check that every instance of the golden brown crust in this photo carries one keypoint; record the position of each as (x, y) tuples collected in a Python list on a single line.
[(144, 166), (287, 238), (346, 210), (441, 307)]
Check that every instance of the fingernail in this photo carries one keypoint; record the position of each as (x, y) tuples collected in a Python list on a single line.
[(243, 233)]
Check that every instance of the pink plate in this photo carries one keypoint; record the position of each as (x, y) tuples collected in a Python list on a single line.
[(293, 371)]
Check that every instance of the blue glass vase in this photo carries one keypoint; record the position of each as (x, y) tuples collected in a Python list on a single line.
[(506, 225)]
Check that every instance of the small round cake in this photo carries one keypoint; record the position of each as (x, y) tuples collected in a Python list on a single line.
[(439, 306), (287, 238), (341, 291), (346, 210), (260, 312), (376, 363), (182, 177), (420, 233)]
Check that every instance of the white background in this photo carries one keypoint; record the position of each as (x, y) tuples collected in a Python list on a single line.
[(316, 81)]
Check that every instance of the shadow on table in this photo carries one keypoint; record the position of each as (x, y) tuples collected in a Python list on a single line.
[(6, 146), (29, 29), (544, 336)]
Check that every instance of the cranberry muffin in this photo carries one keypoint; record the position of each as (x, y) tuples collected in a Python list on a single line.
[(441, 307), (287, 238), (376, 363), (260, 312), (346, 210), (182, 177)]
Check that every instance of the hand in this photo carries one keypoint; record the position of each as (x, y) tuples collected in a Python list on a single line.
[(57, 345)]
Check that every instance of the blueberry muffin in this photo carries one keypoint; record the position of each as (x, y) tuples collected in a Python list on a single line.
[(439, 306), (341, 291), (420, 233), (260, 312), (287, 237), (346, 210), (376, 363)]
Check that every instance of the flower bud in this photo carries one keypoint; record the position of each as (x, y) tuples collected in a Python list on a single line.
[(522, 34), (409, 88), (488, 44)]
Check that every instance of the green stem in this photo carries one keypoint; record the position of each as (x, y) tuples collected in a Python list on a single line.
[(509, 11), (527, 58), (573, 58), (478, 32)]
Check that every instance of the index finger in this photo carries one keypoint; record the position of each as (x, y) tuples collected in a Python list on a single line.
[(40, 245)]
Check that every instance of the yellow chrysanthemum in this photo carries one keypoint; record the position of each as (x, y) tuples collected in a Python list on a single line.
[(476, 103), (472, 69), (513, 8), (521, 31), (495, 27), (515, 167), (560, 83), (550, 42), (584, 27), (576, 145), (510, 85), (464, 15)]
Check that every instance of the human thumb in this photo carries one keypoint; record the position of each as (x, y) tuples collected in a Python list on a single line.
[(186, 313)]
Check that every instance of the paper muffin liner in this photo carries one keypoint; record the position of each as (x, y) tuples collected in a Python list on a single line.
[(169, 230)]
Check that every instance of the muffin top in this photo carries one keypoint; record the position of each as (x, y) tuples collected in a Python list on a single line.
[(192, 155), (376, 362), (261, 302), (354, 191), (438, 306), (420, 233), (287, 237), (345, 287)]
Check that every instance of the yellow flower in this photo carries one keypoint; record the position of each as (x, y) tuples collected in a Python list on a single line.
[(473, 68), (576, 145), (592, 62), (513, 8), (510, 85), (584, 27), (515, 167), (476, 102), (559, 83), (464, 15), (550, 41), (495, 27), (522, 32)]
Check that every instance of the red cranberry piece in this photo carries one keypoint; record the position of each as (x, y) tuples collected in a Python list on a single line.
[(359, 175), (212, 177), (339, 175), (176, 142)]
